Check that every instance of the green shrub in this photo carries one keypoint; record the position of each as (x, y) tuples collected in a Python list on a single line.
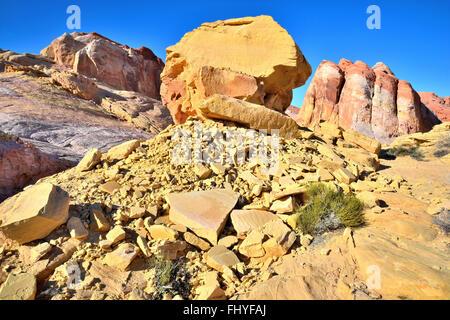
[(170, 278), (402, 151), (327, 209)]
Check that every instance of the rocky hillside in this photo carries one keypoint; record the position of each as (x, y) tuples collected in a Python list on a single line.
[(235, 200), (440, 106), (65, 113), (370, 100)]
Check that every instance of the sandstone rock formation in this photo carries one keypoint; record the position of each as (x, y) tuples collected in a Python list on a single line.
[(252, 58), (439, 106), (369, 100), (22, 163), (110, 62)]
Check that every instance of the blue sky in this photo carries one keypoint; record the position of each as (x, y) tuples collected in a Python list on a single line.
[(414, 39)]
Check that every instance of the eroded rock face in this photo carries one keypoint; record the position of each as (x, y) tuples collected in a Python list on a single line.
[(252, 58), (369, 100), (440, 106), (22, 163), (108, 61)]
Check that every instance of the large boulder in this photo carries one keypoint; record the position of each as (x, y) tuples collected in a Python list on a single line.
[(34, 213), (252, 58), (369, 100), (108, 61), (22, 163)]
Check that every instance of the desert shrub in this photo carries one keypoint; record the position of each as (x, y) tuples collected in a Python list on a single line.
[(442, 147), (328, 209), (402, 151), (171, 277)]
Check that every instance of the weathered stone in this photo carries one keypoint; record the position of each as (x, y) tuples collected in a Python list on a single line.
[(143, 245), (252, 245), (116, 234), (76, 228), (20, 286), (90, 160), (108, 61), (285, 205), (245, 221), (172, 250), (34, 213), (345, 176), (160, 232), (75, 83), (110, 187), (361, 140), (249, 114), (136, 213), (227, 241), (219, 257), (202, 172), (204, 212), (122, 151), (237, 61), (99, 222), (122, 257), (369, 198), (196, 241), (39, 251)]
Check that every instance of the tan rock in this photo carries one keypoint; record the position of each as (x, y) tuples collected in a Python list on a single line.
[(172, 250), (285, 205), (219, 257), (237, 62), (359, 139), (160, 232), (211, 292), (291, 190), (218, 169), (228, 241), (110, 187), (369, 198), (196, 241), (362, 157), (202, 172), (345, 176), (245, 221), (76, 228), (331, 129), (99, 222), (90, 160), (204, 212), (136, 212), (116, 234), (34, 213), (143, 245), (249, 114), (324, 175), (19, 287), (39, 251), (122, 257), (122, 151), (252, 245)]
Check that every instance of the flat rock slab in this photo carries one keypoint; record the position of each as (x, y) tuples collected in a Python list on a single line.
[(19, 287), (219, 257), (245, 221), (204, 212), (34, 213)]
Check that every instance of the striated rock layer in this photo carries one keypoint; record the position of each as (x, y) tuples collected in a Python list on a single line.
[(253, 59), (440, 106), (370, 100), (108, 61), (21, 164)]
